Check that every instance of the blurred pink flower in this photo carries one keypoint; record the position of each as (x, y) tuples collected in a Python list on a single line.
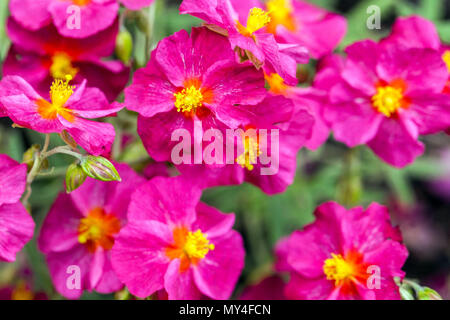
[(246, 31), (174, 242), (16, 224), (270, 288), (385, 97), (44, 55), (80, 230), (67, 109), (331, 258), (94, 15)]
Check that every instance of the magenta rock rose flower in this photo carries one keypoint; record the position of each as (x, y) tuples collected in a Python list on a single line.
[(80, 231), (190, 82), (344, 255), (16, 224), (67, 109), (299, 22), (94, 15), (43, 55), (385, 97), (247, 33), (174, 242)]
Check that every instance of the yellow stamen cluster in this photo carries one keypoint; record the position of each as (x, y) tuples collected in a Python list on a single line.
[(249, 157), (337, 269), (197, 245), (276, 83), (388, 100), (257, 19), (61, 91), (188, 99), (446, 58), (62, 66)]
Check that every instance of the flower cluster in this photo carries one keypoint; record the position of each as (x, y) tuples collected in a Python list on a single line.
[(222, 106)]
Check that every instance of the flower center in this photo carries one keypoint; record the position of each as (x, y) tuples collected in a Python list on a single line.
[(257, 19), (60, 92), (389, 99), (98, 229), (62, 66), (446, 58), (276, 83), (249, 157), (188, 99), (190, 247), (280, 14), (337, 269)]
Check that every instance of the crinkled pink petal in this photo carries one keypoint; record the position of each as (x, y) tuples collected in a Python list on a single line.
[(216, 274), (162, 206), (16, 230), (59, 231), (138, 256), (32, 14), (180, 285), (211, 221), (13, 177), (94, 17), (395, 144), (300, 288), (95, 137)]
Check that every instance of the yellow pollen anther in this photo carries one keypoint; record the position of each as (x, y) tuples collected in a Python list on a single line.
[(257, 19), (197, 245), (62, 66), (446, 58), (337, 269), (188, 99), (281, 14), (388, 100), (249, 157)]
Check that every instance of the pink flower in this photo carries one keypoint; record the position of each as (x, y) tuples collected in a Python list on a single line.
[(44, 55), (80, 231), (94, 15), (293, 127), (344, 254), (190, 82), (174, 242), (299, 22), (385, 97), (16, 224), (67, 109), (247, 32), (417, 32)]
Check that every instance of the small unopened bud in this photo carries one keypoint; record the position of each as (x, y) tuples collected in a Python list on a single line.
[(30, 155), (75, 177), (428, 294), (100, 168), (406, 293), (124, 46)]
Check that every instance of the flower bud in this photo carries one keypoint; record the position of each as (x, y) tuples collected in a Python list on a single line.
[(99, 168), (30, 155), (428, 294), (124, 46), (75, 177)]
